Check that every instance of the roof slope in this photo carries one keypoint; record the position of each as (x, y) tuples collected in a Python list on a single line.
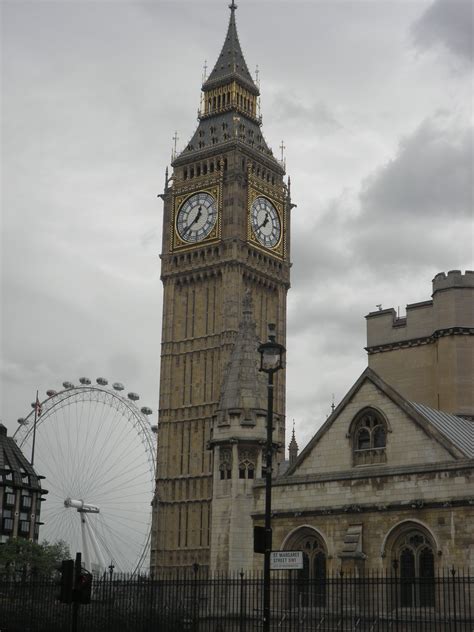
[(14, 462), (458, 430)]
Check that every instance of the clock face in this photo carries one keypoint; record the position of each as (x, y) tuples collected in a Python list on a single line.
[(265, 222), (196, 217)]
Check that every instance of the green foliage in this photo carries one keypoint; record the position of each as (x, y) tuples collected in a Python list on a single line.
[(25, 558)]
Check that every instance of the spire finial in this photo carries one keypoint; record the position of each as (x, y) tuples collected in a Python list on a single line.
[(175, 140), (333, 405), (232, 6)]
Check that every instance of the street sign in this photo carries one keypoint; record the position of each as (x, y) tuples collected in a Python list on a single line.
[(286, 560)]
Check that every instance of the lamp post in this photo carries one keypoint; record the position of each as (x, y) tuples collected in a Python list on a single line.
[(271, 361)]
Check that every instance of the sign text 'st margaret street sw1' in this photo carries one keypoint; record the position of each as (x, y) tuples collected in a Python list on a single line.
[(286, 560)]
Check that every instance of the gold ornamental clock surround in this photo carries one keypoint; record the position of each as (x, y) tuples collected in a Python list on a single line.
[(226, 219), (196, 217)]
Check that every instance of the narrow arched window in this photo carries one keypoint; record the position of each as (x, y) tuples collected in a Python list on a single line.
[(246, 469)]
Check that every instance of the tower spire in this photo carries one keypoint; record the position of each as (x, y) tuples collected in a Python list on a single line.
[(293, 447), (231, 64)]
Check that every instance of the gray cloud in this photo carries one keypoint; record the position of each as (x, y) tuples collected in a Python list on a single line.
[(308, 117), (430, 175), (448, 23)]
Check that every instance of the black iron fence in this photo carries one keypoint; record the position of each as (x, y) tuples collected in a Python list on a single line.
[(186, 601)]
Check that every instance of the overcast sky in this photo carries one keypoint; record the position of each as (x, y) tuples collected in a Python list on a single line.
[(374, 103)]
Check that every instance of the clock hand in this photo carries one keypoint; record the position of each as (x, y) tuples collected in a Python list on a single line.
[(264, 223), (198, 216)]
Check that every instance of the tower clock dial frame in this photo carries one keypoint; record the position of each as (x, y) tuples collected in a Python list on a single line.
[(196, 217), (266, 223)]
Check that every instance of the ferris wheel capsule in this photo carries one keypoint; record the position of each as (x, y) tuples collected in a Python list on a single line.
[(102, 381), (68, 385), (21, 421), (51, 392), (134, 397), (146, 411), (118, 386), (154, 429), (84, 380)]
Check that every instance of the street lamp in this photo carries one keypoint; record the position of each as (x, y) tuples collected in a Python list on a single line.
[(271, 361)]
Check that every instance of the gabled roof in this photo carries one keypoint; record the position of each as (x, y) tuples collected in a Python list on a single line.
[(231, 62), (448, 430)]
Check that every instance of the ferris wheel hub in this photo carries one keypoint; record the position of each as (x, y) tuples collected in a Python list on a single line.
[(81, 506)]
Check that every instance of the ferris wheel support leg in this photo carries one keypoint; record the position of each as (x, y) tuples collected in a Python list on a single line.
[(85, 548), (95, 546)]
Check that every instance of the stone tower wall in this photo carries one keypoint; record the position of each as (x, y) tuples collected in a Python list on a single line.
[(428, 355)]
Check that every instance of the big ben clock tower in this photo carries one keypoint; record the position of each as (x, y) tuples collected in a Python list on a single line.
[(226, 236)]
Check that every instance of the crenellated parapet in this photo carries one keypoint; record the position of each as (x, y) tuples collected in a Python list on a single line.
[(450, 312), (453, 279)]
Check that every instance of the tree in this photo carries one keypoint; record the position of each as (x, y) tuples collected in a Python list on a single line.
[(24, 558)]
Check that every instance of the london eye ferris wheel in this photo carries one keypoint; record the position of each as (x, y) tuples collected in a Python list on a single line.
[(96, 450)]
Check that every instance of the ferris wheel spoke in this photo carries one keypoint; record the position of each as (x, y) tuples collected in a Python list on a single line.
[(106, 456), (124, 474)]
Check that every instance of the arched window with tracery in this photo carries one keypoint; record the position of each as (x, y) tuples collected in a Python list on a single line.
[(247, 460), (368, 432), (415, 561)]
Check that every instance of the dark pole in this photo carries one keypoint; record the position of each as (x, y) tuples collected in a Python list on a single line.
[(271, 361), (75, 602), (268, 507), (34, 431)]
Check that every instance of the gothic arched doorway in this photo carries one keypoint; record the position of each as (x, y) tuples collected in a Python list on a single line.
[(311, 580)]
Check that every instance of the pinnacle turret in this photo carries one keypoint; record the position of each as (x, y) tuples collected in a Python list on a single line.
[(293, 447), (243, 386)]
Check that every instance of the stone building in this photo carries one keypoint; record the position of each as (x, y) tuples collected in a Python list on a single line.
[(387, 477), (20, 492), (225, 232)]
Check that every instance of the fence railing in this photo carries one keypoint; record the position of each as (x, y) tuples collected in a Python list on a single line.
[(186, 601)]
